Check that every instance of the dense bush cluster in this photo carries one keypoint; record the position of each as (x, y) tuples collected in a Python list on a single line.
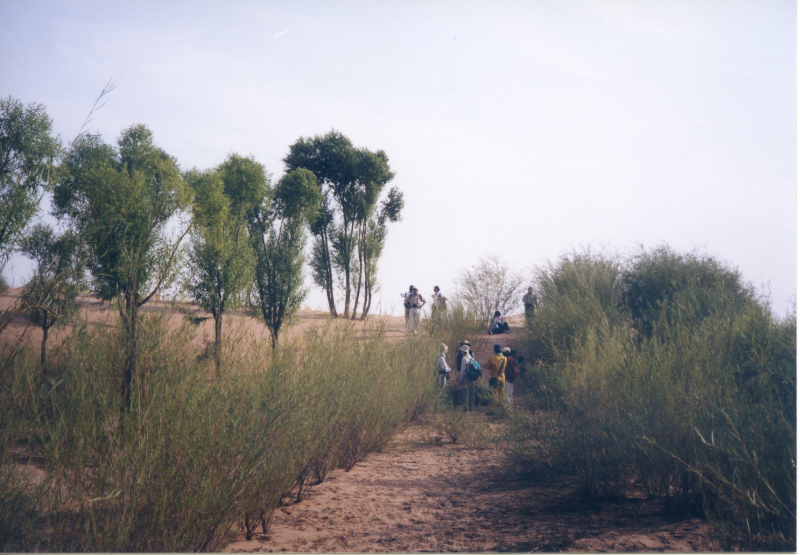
[(194, 458), (668, 371)]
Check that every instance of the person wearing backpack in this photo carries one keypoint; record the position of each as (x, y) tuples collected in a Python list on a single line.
[(442, 369), (416, 302), (459, 356), (469, 371), (511, 373), (406, 304), (497, 369)]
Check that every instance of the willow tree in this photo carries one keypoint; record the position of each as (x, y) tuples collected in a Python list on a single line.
[(220, 257), (50, 295), (28, 153), (278, 235), (119, 201), (351, 181), (371, 242)]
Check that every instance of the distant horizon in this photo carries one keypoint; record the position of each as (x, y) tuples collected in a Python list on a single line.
[(525, 130)]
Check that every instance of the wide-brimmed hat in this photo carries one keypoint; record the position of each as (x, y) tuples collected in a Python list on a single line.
[(464, 342), (464, 349)]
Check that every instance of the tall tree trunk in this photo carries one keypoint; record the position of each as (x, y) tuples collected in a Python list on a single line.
[(367, 277), (358, 283), (45, 329), (328, 275), (348, 239)]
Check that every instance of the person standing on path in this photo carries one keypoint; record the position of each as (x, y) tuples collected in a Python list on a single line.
[(459, 355), (529, 300), (497, 369), (416, 303), (406, 304), (439, 300), (511, 373), (464, 358), (442, 369)]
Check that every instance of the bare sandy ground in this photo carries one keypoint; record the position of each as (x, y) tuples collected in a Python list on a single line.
[(422, 496), (417, 496)]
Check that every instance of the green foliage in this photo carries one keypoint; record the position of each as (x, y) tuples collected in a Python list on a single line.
[(277, 231), (578, 295), (700, 410), (220, 257), (50, 296), (349, 229), (28, 153), (663, 277), (193, 458), (119, 202)]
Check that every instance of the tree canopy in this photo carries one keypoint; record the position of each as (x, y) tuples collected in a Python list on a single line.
[(28, 153), (351, 181), (119, 201)]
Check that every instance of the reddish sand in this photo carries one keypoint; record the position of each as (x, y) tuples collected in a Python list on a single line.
[(420, 496), (416, 496)]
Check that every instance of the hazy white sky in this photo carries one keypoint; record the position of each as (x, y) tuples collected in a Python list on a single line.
[(522, 129)]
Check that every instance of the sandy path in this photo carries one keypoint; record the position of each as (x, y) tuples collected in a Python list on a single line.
[(416, 496)]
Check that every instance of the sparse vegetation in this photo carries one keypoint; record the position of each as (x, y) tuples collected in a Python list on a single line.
[(489, 285)]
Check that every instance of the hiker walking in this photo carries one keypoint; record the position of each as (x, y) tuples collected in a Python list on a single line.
[(498, 325), (464, 360), (529, 300), (442, 369), (405, 296), (416, 302), (497, 369)]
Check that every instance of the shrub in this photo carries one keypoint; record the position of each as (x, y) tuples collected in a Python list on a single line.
[(194, 456), (489, 286), (700, 409), (580, 293), (663, 277)]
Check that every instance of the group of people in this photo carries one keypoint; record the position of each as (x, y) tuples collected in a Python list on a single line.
[(503, 368), (413, 302)]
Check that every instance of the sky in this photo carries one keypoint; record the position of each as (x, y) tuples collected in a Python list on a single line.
[(520, 129)]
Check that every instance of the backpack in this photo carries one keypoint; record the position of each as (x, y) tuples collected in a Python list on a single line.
[(474, 370), (512, 369)]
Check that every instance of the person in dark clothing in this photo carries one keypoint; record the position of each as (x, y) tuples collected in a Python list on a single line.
[(498, 326), (465, 358)]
